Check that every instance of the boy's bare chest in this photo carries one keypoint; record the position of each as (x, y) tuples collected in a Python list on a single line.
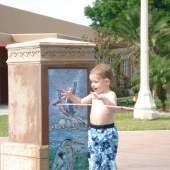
[(96, 102)]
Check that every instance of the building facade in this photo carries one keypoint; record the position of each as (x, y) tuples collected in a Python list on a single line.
[(20, 26)]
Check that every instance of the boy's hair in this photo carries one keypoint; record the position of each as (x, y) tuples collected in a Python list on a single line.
[(103, 70)]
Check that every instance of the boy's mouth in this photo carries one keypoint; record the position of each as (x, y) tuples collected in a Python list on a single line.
[(95, 89)]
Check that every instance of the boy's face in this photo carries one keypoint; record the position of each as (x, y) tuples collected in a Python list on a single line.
[(98, 83)]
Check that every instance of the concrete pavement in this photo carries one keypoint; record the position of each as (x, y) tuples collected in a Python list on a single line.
[(141, 150), (144, 150), (3, 109)]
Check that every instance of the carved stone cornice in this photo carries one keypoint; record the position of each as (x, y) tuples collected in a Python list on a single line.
[(51, 52), (70, 51), (24, 54)]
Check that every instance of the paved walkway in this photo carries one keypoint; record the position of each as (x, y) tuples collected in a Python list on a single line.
[(144, 150), (140, 150), (3, 109)]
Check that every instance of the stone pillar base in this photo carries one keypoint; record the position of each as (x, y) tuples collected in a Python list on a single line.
[(145, 114), (17, 156), (145, 106)]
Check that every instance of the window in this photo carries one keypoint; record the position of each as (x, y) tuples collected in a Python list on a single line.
[(125, 67), (132, 70), (111, 61)]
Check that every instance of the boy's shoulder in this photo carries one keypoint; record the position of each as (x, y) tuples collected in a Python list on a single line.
[(112, 93)]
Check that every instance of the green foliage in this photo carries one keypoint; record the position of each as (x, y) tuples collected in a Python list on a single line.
[(159, 45), (159, 33), (159, 77), (104, 39), (120, 92), (157, 101), (159, 104), (104, 12), (125, 92), (162, 6), (159, 72), (128, 31)]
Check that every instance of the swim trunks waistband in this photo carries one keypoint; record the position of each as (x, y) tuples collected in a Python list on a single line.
[(102, 126)]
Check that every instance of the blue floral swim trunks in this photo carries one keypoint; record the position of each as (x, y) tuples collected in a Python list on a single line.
[(102, 147)]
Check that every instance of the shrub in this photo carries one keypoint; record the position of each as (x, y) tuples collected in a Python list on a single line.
[(125, 92), (118, 91)]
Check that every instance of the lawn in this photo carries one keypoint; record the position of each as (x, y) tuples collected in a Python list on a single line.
[(125, 122), (124, 119), (4, 125)]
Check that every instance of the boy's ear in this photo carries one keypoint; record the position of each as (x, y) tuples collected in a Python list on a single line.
[(107, 81)]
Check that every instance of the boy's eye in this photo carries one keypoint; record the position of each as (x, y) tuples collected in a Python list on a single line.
[(94, 82)]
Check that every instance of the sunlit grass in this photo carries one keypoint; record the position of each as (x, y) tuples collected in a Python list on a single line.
[(4, 125), (125, 122)]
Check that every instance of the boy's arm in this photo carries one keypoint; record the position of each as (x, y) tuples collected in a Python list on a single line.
[(111, 100), (75, 99)]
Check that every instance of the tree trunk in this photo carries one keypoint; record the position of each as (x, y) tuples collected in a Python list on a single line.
[(161, 93), (163, 106)]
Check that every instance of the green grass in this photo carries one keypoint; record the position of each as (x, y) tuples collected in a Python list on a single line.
[(157, 101), (4, 125), (125, 122)]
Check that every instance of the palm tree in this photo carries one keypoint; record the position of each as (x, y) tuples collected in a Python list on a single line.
[(159, 77), (128, 31), (159, 33)]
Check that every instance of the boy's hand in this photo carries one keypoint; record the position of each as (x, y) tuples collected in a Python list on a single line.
[(66, 94), (96, 96)]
